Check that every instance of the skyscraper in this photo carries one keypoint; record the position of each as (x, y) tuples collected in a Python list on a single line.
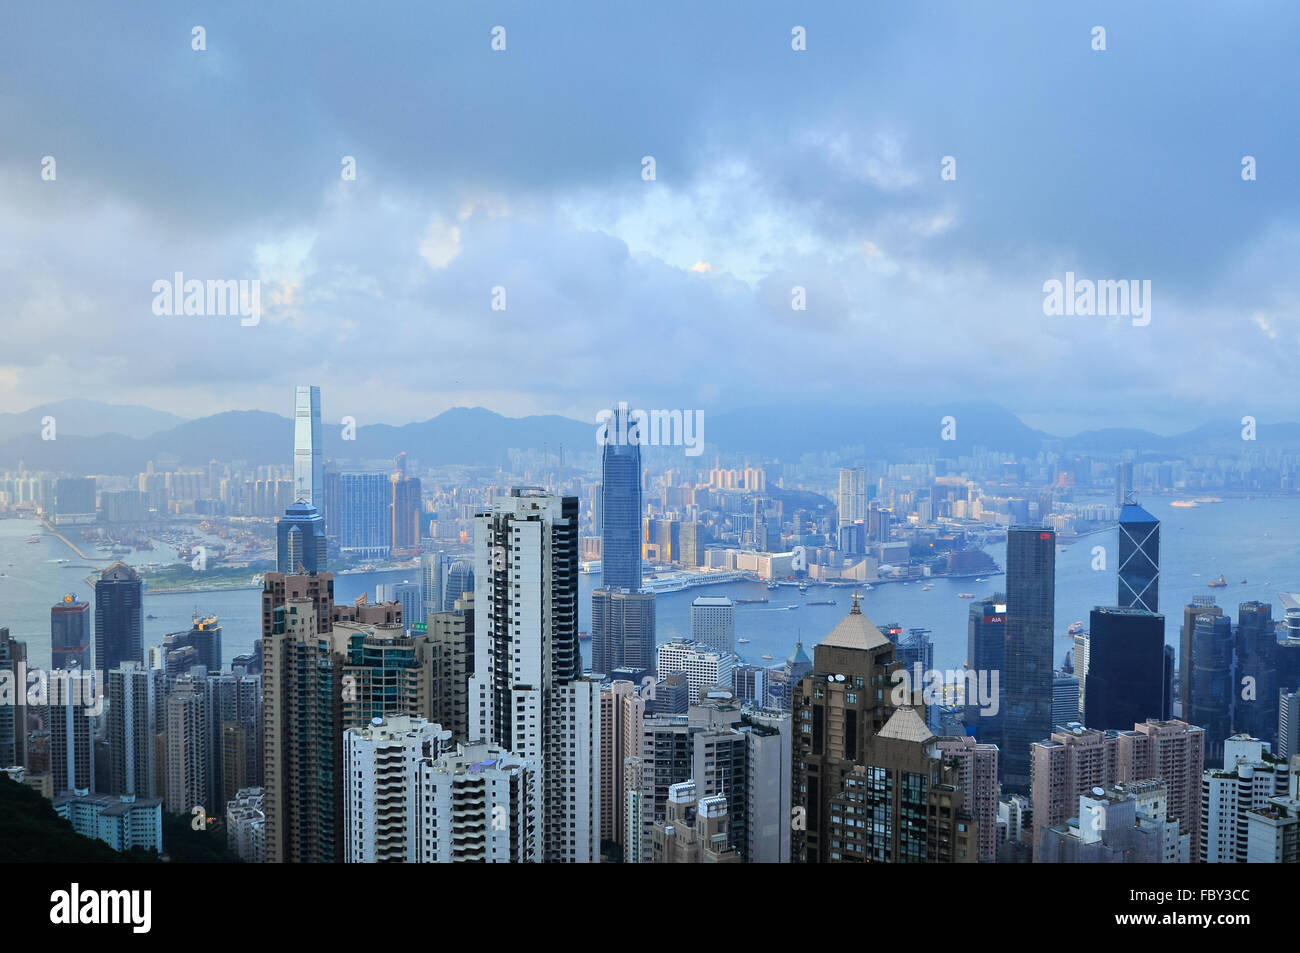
[(1126, 668), (853, 495), (1256, 674), (620, 487), (713, 623), (460, 580), (72, 747), (986, 647), (1027, 671), (1199, 605), (204, 637), (119, 617), (433, 576), (622, 630), (300, 540), (527, 694), (308, 458), (1139, 559), (13, 718), (135, 696), (1212, 687), (365, 529), (406, 507), (1123, 482), (70, 634), (451, 640)]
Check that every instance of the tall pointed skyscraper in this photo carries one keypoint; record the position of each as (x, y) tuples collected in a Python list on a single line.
[(1139, 559), (620, 487), (308, 461)]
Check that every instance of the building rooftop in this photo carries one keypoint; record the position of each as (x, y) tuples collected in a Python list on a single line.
[(906, 725), (856, 631)]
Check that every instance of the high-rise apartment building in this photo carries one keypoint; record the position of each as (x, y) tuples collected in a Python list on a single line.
[(13, 718), (696, 830), (451, 642), (853, 495), (622, 719), (977, 775), (479, 804), (407, 507), (119, 617), (1250, 778), (1075, 759), (527, 694), (1028, 664), (382, 787), (134, 720), (73, 703), (189, 751)]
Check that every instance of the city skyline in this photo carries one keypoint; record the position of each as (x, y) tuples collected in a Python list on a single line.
[(775, 168)]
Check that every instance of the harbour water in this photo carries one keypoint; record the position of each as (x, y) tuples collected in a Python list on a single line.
[(1256, 540)]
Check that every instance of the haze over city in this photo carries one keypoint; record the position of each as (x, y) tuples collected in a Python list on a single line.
[(820, 170)]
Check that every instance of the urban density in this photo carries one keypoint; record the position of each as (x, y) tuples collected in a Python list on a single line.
[(621, 434)]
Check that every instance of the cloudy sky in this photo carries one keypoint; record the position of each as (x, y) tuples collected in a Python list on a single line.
[(774, 168)]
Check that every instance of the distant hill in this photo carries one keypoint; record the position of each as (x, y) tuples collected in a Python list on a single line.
[(89, 418), (474, 436)]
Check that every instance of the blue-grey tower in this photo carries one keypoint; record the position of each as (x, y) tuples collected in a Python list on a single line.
[(1139, 559), (300, 540), (620, 487)]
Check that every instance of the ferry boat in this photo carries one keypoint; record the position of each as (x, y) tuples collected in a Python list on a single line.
[(772, 587), (34, 538), (1183, 504), (926, 588), (803, 587), (768, 657), (792, 607), (965, 595), (742, 641)]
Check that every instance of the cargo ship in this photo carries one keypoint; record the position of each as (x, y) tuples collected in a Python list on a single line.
[(749, 602), (1219, 583)]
